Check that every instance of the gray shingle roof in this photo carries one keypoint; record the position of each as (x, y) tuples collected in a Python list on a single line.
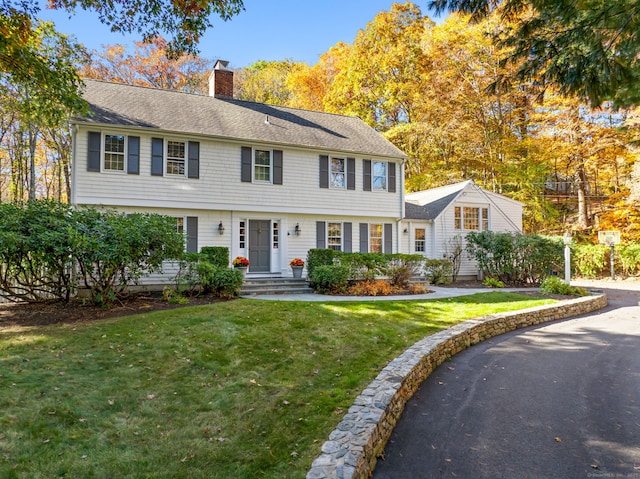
[(428, 204), (170, 111)]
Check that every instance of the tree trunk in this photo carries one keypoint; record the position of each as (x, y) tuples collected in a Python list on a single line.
[(33, 138), (583, 208)]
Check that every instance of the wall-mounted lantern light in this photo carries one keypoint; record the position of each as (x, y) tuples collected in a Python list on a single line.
[(297, 229), (220, 228)]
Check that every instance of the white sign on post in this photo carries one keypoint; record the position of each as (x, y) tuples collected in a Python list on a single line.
[(610, 238)]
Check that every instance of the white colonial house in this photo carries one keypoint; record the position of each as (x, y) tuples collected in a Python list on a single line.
[(267, 182), (437, 219)]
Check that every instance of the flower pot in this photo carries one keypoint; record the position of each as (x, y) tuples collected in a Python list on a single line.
[(297, 271), (243, 270)]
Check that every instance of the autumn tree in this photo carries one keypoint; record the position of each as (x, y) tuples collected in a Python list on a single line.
[(590, 156), (586, 49), (23, 60), (150, 65), (27, 110), (380, 77), (309, 85), (22, 63), (265, 82)]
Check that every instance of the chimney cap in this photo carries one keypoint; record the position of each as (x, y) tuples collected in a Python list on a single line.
[(221, 65)]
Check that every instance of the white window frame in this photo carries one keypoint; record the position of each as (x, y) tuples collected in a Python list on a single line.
[(255, 166), (420, 244), (338, 177), (275, 234), (379, 180), (104, 153), (378, 245), (471, 218), (335, 246), (177, 160), (465, 221), (181, 227)]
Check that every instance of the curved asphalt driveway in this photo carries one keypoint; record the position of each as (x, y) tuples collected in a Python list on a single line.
[(556, 401)]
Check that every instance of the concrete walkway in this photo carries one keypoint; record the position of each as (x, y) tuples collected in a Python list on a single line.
[(438, 292)]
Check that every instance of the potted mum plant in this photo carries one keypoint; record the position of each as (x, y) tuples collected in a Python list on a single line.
[(241, 263), (297, 265)]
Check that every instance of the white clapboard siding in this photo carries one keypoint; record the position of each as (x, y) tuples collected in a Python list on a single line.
[(505, 215), (220, 187)]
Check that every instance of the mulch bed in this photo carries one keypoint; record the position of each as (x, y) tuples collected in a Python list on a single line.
[(39, 314)]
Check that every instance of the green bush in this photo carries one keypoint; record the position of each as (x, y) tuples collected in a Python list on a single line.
[(493, 283), (216, 255), (401, 268), (630, 259), (186, 279), (438, 271), (514, 258), (590, 260), (318, 257), (36, 246), (221, 282), (113, 250), (555, 285), (363, 266), (330, 279), (42, 243)]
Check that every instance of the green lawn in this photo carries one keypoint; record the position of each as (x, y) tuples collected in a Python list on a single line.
[(238, 389)]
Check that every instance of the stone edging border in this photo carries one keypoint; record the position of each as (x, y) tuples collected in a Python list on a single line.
[(355, 445)]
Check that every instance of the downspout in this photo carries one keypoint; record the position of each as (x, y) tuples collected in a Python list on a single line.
[(74, 151), (399, 221)]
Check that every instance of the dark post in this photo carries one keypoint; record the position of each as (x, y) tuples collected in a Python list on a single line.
[(611, 260)]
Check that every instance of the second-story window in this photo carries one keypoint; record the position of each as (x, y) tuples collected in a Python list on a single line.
[(114, 153), (379, 176), (175, 157), (338, 173), (262, 166)]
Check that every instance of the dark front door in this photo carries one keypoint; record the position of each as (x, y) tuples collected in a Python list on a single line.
[(259, 246)]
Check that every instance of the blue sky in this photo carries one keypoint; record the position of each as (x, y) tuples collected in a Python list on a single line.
[(266, 30)]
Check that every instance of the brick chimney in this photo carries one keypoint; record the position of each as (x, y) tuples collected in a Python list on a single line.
[(221, 80)]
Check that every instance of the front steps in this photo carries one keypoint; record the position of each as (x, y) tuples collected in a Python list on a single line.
[(274, 285)]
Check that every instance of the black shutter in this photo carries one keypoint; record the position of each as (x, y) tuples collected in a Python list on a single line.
[(193, 165), (366, 175), (133, 155), (324, 171), (346, 237), (93, 156), (388, 238), (245, 164), (351, 173), (392, 177), (321, 234), (277, 167), (192, 234), (364, 237), (157, 156)]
